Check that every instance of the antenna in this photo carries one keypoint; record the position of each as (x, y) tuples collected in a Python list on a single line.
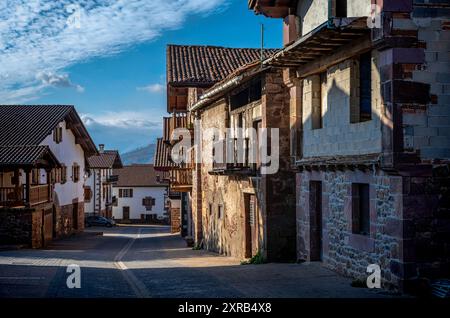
[(262, 44)]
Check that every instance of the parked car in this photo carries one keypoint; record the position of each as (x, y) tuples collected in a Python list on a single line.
[(99, 221)]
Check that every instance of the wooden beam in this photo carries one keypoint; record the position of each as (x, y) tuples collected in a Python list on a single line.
[(339, 56)]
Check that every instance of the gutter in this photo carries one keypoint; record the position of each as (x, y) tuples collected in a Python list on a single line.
[(207, 97)]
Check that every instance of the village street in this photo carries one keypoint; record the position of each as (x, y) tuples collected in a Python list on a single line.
[(148, 261)]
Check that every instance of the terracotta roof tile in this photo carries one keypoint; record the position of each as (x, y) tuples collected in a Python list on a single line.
[(162, 156), (206, 65), (107, 159)]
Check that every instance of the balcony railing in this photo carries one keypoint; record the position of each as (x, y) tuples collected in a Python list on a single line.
[(177, 120), (180, 180), (12, 196), (236, 157), (112, 178)]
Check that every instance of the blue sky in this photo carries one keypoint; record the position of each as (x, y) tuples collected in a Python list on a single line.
[(108, 57)]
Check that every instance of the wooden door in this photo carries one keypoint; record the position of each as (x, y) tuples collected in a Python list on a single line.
[(125, 213)]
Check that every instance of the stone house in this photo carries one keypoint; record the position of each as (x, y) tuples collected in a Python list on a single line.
[(98, 198), (370, 122), (140, 194), (246, 211), (191, 69), (43, 151)]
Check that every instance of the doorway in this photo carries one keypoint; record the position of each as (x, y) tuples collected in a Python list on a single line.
[(251, 234), (75, 215), (315, 212), (125, 213)]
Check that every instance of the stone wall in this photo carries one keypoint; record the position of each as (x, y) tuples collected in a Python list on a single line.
[(32, 227), (66, 224), (274, 231), (175, 220), (343, 251)]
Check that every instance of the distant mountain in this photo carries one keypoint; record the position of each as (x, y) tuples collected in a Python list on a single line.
[(140, 155)]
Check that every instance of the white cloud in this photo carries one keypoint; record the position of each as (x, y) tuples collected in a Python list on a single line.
[(152, 88), (125, 130), (126, 119), (47, 36), (63, 80)]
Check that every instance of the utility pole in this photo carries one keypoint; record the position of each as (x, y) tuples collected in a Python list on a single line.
[(262, 44)]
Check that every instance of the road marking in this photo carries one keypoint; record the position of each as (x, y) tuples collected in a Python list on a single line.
[(138, 287)]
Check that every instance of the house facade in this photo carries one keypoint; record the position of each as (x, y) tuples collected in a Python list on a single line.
[(191, 69), (140, 194), (99, 183), (369, 118), (44, 151), (247, 209)]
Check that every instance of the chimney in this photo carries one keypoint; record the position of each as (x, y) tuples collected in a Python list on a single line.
[(102, 148)]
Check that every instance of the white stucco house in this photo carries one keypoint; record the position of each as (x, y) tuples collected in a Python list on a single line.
[(140, 195), (43, 153), (99, 182)]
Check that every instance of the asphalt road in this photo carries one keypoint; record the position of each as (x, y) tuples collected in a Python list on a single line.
[(148, 261)]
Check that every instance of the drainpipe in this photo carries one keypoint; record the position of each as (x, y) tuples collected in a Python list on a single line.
[(330, 14), (207, 96)]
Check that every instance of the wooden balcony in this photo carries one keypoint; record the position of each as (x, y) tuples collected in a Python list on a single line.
[(181, 180), (17, 196), (177, 120), (231, 163)]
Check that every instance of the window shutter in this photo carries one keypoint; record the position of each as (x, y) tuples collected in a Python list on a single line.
[(131, 193), (143, 202), (354, 92), (120, 193), (153, 201), (355, 208)]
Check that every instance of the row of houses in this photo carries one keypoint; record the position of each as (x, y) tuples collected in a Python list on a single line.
[(359, 97), (52, 175)]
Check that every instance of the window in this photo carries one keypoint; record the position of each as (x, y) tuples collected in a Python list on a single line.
[(360, 209), (63, 174), (318, 97), (220, 211), (75, 172), (57, 134), (148, 202), (361, 91), (87, 194), (341, 8), (125, 193), (210, 209), (250, 94)]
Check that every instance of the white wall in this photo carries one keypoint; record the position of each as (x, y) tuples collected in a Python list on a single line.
[(68, 152), (313, 13), (95, 181), (135, 203)]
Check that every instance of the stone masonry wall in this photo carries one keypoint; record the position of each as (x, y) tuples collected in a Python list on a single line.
[(343, 251)]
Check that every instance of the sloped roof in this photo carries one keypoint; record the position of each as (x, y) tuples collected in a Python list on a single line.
[(162, 160), (106, 159), (139, 175), (30, 124), (206, 65), (26, 155)]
